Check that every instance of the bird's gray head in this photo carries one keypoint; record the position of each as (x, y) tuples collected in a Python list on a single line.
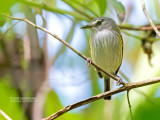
[(101, 23)]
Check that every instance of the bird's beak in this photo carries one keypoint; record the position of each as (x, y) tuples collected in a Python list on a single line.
[(87, 26)]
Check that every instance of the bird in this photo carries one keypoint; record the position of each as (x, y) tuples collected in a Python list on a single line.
[(106, 48)]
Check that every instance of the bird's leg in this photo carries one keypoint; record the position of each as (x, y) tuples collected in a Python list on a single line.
[(89, 60), (99, 73)]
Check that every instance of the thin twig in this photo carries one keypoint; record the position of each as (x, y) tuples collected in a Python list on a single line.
[(129, 104), (65, 43), (150, 39), (142, 28), (128, 86), (5, 115), (149, 19)]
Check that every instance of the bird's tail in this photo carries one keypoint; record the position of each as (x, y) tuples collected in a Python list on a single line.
[(107, 87)]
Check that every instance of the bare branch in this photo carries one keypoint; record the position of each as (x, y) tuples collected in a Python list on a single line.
[(149, 39), (5, 115), (149, 19), (128, 86), (129, 104), (65, 43), (143, 28)]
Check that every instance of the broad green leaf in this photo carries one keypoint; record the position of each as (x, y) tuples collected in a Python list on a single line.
[(147, 111), (9, 95), (52, 104), (54, 9), (119, 8), (102, 6), (87, 1), (78, 9), (5, 5), (84, 7), (94, 7)]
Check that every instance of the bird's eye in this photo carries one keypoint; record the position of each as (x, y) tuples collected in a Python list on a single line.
[(98, 22)]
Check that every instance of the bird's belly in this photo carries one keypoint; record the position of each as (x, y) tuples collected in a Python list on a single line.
[(107, 53)]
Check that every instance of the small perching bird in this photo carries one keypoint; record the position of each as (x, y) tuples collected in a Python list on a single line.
[(106, 47)]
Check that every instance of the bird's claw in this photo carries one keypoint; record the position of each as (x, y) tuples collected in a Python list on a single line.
[(89, 61), (119, 81)]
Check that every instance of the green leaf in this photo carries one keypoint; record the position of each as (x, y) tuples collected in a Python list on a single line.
[(9, 95), (2, 21), (52, 104), (54, 9), (5, 5), (102, 6), (119, 8)]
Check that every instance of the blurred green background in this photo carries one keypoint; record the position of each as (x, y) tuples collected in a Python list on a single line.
[(39, 75)]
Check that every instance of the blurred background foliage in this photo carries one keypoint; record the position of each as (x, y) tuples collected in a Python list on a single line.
[(39, 75)]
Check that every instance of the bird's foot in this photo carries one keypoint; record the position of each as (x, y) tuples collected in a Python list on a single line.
[(89, 60), (119, 81)]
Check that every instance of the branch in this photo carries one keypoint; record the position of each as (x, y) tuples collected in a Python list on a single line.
[(128, 86), (5, 115), (129, 104), (149, 19), (149, 39), (143, 28), (65, 43)]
